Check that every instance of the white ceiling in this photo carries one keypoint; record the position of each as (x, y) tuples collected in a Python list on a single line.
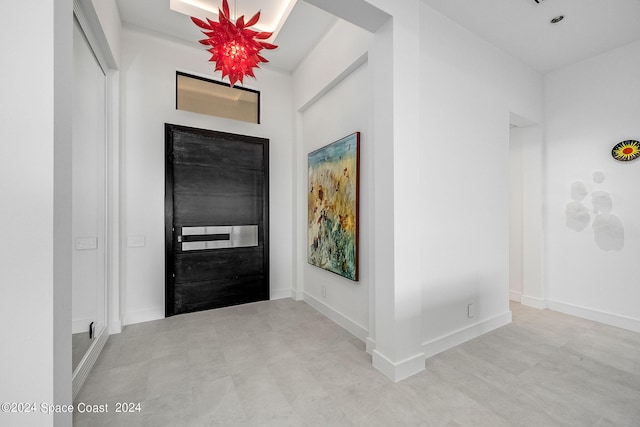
[(271, 12), (519, 27), (522, 27), (298, 25), (303, 29)]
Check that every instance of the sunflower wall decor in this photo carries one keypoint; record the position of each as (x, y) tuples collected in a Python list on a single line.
[(626, 150)]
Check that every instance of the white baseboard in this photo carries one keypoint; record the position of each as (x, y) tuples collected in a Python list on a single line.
[(80, 325), (400, 370), (534, 302), (115, 327), (515, 296), (280, 294), (445, 342), (371, 345), (146, 315), (596, 315), (84, 367), (351, 326), (297, 295)]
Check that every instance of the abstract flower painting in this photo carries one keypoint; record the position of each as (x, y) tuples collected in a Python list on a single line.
[(333, 207)]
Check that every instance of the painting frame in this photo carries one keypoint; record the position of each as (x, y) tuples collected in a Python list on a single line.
[(333, 207)]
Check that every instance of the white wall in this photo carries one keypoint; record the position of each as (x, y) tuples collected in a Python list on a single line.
[(333, 97), (149, 64), (330, 60), (35, 217), (468, 90), (589, 107)]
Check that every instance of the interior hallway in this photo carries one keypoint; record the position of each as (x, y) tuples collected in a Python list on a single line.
[(282, 363)]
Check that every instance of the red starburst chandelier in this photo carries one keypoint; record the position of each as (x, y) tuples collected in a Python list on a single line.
[(233, 46)]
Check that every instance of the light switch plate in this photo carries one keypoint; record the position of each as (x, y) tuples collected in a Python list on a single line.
[(86, 243), (135, 241)]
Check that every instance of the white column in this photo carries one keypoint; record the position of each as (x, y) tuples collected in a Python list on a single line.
[(35, 218), (395, 326), (398, 289)]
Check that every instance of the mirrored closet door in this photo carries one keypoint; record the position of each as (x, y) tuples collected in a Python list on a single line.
[(89, 200)]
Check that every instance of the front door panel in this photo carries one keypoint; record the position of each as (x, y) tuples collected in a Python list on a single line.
[(216, 203)]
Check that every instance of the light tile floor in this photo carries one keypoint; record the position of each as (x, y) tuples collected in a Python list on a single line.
[(281, 363)]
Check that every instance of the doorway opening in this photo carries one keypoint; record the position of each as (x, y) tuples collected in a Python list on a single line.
[(525, 211)]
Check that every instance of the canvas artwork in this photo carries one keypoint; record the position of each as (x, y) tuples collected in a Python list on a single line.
[(333, 207)]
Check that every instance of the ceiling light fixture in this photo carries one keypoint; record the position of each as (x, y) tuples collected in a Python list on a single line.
[(557, 19), (233, 46)]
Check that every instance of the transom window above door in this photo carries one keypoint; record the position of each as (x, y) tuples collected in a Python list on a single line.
[(204, 96)]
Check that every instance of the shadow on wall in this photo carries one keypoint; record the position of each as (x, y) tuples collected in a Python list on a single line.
[(607, 227), (453, 304)]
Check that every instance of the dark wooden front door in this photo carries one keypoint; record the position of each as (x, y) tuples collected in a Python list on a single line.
[(216, 219)]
